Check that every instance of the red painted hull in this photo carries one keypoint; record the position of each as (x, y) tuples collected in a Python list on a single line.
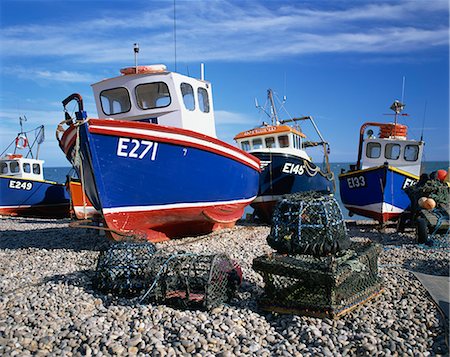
[(378, 216), (265, 209), (162, 225)]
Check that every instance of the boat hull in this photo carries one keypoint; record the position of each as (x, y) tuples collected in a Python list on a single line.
[(32, 198), (81, 206), (285, 174), (377, 193), (162, 182)]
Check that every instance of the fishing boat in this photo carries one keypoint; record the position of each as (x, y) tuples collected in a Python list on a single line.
[(286, 166), (23, 190), (80, 205), (387, 164), (151, 163)]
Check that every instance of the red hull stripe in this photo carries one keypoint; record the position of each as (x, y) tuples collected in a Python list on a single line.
[(180, 139), (175, 206)]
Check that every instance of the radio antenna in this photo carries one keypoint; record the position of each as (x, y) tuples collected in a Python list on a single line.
[(423, 120), (136, 51), (175, 32), (403, 89)]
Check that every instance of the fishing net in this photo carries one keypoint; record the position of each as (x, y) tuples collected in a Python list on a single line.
[(431, 188), (308, 223), (182, 279), (320, 286)]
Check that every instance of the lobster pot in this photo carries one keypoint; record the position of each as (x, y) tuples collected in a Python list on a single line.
[(319, 286), (308, 223), (123, 268), (194, 281)]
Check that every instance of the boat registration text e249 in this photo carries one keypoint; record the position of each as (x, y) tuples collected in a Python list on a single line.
[(20, 185), (136, 148)]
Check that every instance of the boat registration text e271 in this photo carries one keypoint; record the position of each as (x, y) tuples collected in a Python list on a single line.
[(136, 148)]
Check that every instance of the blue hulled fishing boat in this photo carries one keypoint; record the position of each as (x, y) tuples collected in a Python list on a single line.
[(386, 165), (286, 166), (23, 190), (151, 163)]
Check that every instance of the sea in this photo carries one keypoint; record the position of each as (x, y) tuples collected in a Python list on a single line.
[(59, 174)]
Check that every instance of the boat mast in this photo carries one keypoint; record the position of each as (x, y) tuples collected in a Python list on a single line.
[(274, 114), (397, 107)]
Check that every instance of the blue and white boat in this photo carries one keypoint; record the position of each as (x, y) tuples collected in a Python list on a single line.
[(286, 166), (386, 165), (23, 190), (151, 163)]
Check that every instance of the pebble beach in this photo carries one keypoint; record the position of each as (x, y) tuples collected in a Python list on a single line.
[(48, 305)]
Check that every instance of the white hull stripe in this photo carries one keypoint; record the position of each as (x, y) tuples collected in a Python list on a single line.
[(268, 198), (180, 137), (378, 208), (174, 206), (81, 209)]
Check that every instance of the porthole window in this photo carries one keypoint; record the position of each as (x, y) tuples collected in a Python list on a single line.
[(245, 145), (270, 142), (115, 101), (3, 168), (14, 167), (153, 95), (26, 167), (203, 100), (36, 169), (283, 140), (373, 150), (188, 96), (257, 143), (392, 151), (411, 152)]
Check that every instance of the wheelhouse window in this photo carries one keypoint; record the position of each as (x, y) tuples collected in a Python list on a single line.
[(3, 168), (245, 145), (14, 167), (188, 96), (283, 141), (392, 151), (203, 100), (153, 95), (270, 142), (257, 143), (411, 152), (26, 167), (115, 101), (36, 169), (373, 150)]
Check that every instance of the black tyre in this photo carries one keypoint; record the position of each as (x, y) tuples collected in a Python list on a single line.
[(421, 230)]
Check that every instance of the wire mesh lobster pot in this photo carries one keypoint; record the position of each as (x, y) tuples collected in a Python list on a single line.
[(319, 286), (308, 223), (194, 281), (182, 279), (324, 273), (123, 269)]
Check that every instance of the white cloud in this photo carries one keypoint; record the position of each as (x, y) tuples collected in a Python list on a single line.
[(233, 31)]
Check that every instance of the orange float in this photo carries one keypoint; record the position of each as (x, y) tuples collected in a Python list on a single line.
[(388, 130), (155, 68)]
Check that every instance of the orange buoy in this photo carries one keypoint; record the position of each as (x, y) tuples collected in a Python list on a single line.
[(429, 204), (388, 130), (421, 201), (441, 175)]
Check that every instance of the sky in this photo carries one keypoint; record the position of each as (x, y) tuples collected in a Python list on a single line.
[(342, 62)]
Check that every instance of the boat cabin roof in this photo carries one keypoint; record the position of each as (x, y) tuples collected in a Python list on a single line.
[(157, 96), (267, 130), (20, 167)]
